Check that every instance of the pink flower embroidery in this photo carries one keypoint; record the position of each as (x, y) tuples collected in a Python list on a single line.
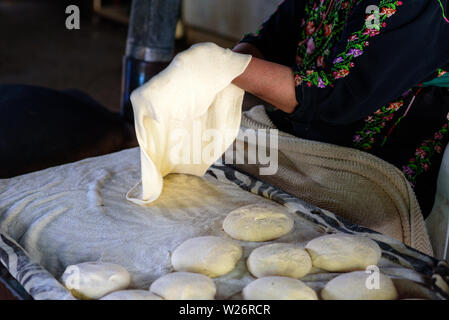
[(395, 106), (310, 46), (380, 111), (372, 32), (421, 153), (438, 136), (388, 12), (340, 73)]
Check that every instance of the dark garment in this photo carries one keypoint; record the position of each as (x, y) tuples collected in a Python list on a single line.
[(358, 79)]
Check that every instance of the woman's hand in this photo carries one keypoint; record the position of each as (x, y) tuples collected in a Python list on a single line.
[(271, 82)]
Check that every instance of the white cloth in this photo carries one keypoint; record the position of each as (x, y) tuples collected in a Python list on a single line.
[(77, 212), (438, 221), (176, 111)]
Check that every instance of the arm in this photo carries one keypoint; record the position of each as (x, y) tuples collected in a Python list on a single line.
[(271, 82), (273, 48)]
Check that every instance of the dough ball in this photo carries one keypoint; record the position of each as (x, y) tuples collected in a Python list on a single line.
[(279, 259), (132, 295), (341, 252), (356, 286), (257, 223), (93, 280), (184, 286), (278, 288), (211, 256)]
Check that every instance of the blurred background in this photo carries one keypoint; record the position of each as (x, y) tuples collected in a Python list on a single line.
[(37, 49)]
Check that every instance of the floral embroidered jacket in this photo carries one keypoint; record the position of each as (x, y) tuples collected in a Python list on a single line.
[(361, 69)]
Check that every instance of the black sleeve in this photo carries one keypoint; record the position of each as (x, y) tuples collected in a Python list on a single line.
[(413, 42), (277, 37)]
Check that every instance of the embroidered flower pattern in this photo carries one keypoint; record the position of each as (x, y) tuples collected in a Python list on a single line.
[(319, 37), (374, 125), (316, 41), (421, 160)]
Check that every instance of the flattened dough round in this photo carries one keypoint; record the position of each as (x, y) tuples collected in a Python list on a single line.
[(257, 223), (279, 259), (93, 280), (131, 295), (278, 288), (184, 286), (211, 256), (342, 252), (353, 286)]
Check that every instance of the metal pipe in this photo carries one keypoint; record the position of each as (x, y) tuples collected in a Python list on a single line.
[(150, 45)]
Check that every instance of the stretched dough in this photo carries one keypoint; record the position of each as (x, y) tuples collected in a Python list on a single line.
[(257, 223), (279, 259), (131, 295), (177, 110), (93, 280), (342, 252), (278, 288), (211, 256), (353, 286), (184, 286)]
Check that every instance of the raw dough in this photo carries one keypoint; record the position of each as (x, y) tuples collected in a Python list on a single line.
[(258, 223), (279, 259), (342, 252), (184, 286), (93, 280), (186, 111), (278, 288), (132, 295), (211, 256), (352, 286)]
